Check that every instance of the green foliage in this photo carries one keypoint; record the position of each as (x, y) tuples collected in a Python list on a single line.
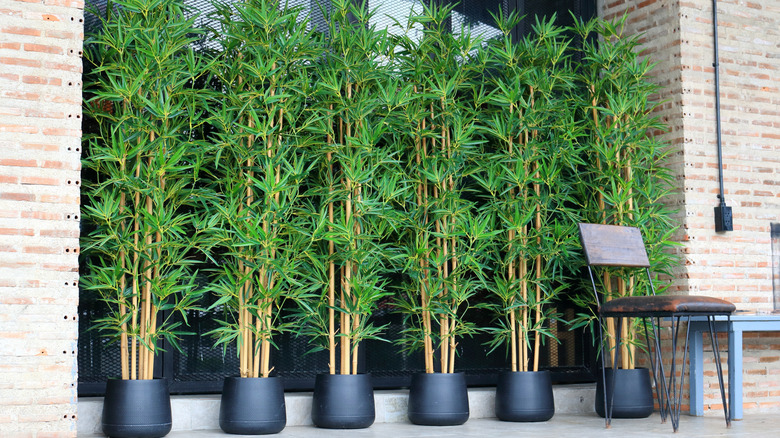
[(353, 185), (445, 236), (314, 167), (258, 161), (527, 170), (141, 171), (625, 180)]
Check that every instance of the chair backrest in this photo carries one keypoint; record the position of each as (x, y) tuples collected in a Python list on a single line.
[(613, 245)]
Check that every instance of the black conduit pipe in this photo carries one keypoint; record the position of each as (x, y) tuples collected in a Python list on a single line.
[(723, 218)]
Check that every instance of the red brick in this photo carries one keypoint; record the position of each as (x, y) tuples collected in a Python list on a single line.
[(41, 215), (43, 48), (17, 196), (40, 147), (18, 162), (60, 34), (38, 180), (18, 30), (25, 129), (21, 95)]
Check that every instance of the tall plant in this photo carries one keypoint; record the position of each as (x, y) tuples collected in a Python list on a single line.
[(627, 181), (259, 160), (528, 173), (351, 197), (446, 238), (141, 170)]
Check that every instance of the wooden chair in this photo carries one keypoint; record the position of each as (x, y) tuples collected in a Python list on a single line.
[(618, 246)]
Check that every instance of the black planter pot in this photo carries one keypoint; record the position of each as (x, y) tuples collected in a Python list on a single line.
[(343, 401), (524, 396), (252, 406), (136, 408), (438, 399), (633, 396)]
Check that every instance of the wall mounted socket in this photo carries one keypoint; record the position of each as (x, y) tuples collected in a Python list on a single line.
[(724, 221)]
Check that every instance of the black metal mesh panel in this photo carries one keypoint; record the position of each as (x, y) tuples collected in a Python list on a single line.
[(200, 359), (546, 8), (476, 15), (97, 358)]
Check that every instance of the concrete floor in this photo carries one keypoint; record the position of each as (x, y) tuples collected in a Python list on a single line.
[(562, 425)]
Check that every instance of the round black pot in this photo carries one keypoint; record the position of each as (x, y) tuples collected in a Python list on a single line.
[(343, 401), (136, 408), (633, 397), (252, 406), (524, 396), (438, 399)]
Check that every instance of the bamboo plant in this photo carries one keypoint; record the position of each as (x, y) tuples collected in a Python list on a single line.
[(351, 198), (534, 151), (140, 176), (259, 165), (627, 182), (446, 239)]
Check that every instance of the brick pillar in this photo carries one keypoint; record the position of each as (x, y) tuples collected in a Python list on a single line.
[(678, 35), (40, 151)]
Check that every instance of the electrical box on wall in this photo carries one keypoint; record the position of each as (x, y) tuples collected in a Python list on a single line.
[(724, 221)]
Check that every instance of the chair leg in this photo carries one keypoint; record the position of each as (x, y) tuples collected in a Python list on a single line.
[(719, 368), (674, 400), (682, 368), (615, 362), (604, 352), (665, 401), (655, 355)]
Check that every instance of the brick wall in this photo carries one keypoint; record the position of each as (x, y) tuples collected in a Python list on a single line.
[(40, 142), (735, 265), (40, 117)]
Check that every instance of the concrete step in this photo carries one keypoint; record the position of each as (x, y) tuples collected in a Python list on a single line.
[(201, 412)]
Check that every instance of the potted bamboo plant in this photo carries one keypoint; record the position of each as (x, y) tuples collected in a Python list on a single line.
[(534, 149), (140, 179), (445, 238), (259, 163), (350, 206), (626, 185)]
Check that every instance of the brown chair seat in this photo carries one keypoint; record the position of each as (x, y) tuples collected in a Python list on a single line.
[(664, 305)]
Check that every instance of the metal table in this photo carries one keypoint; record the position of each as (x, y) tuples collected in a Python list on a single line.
[(740, 322)]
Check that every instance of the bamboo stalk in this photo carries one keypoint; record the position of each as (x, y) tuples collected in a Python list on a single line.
[(155, 274), (512, 313), (511, 270), (443, 358), (241, 342), (422, 199), (123, 280), (331, 268), (524, 341), (250, 345), (427, 326), (355, 326), (602, 208), (629, 176), (134, 356), (453, 345), (524, 331), (122, 285), (538, 265), (626, 361), (342, 321), (146, 298)]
